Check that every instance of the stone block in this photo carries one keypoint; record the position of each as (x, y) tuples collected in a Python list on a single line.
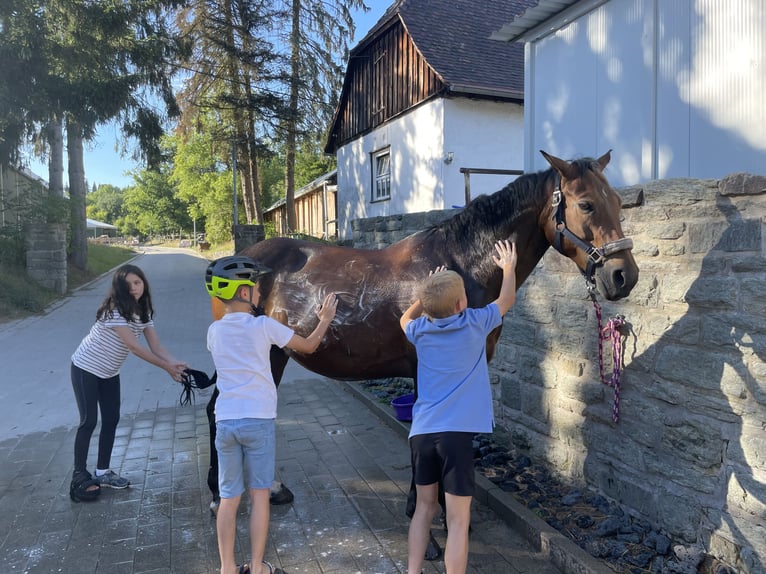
[(742, 184), (737, 235)]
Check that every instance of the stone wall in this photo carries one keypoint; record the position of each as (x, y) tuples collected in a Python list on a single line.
[(46, 255), (689, 451)]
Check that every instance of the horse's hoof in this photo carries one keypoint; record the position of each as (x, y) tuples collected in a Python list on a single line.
[(434, 551), (282, 496)]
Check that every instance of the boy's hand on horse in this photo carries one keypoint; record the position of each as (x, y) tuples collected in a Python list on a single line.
[(326, 310), (439, 269), (506, 255)]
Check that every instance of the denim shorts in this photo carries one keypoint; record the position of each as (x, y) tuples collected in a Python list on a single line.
[(246, 452)]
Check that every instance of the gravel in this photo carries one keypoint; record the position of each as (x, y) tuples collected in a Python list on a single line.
[(626, 543)]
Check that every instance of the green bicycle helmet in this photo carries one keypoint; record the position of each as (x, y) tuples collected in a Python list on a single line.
[(225, 275)]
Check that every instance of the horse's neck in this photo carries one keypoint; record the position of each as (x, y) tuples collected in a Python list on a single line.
[(531, 245)]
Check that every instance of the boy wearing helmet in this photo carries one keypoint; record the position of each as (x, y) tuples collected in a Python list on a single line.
[(247, 406)]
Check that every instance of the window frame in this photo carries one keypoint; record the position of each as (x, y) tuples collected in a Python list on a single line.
[(379, 181)]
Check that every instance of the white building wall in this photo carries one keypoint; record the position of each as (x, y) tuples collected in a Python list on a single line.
[(480, 134), (477, 133), (674, 88)]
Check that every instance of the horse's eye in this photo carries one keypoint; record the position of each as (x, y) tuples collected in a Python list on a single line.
[(586, 206)]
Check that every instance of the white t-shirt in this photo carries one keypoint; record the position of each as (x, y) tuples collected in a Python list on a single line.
[(102, 352), (240, 345)]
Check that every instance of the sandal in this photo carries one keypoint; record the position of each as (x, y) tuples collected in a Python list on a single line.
[(81, 489), (243, 569), (273, 570)]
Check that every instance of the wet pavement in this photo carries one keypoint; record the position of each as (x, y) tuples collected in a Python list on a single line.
[(345, 458)]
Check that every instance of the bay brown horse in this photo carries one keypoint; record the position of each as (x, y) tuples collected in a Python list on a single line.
[(570, 206), (374, 287)]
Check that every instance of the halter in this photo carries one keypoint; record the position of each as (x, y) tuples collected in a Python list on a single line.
[(613, 330), (596, 255)]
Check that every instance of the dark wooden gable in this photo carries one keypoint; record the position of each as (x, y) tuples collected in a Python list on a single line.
[(423, 48), (384, 78)]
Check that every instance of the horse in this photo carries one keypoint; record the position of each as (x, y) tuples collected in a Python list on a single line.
[(570, 206)]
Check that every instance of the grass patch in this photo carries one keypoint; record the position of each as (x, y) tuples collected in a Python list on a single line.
[(21, 297)]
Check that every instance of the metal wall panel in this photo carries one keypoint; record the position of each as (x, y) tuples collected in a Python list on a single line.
[(675, 88), (726, 87)]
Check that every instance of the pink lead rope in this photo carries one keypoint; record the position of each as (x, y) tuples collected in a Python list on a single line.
[(611, 332)]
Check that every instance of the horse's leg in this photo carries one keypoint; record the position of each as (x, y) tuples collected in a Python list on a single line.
[(280, 494), (433, 551), (212, 473)]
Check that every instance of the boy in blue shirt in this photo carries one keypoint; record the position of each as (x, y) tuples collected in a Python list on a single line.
[(454, 400)]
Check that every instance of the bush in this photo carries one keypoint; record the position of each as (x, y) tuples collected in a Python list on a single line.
[(12, 250)]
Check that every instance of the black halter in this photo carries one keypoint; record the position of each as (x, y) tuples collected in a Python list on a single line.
[(596, 255)]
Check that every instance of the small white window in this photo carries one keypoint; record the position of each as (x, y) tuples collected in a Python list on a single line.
[(381, 175)]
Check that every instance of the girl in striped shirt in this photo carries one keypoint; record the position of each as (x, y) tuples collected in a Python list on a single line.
[(124, 315)]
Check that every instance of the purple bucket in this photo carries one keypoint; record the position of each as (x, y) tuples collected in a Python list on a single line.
[(403, 407)]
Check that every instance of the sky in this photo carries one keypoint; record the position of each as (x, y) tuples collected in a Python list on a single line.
[(103, 161)]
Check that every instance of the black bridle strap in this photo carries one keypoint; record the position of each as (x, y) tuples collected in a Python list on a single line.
[(596, 255)]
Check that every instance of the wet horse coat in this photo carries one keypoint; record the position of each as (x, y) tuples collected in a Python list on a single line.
[(570, 206)]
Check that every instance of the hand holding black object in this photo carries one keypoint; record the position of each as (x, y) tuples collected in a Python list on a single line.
[(193, 379)]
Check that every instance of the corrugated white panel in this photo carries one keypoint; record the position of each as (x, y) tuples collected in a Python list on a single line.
[(673, 57), (592, 90), (726, 83), (676, 88)]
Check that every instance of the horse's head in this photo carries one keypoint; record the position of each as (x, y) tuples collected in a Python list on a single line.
[(585, 225)]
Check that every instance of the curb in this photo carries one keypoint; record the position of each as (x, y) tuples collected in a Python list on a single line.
[(560, 550)]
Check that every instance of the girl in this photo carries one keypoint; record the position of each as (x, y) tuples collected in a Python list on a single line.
[(124, 315)]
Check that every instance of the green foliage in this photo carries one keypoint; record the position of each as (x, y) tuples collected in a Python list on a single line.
[(102, 258), (21, 296), (12, 251), (105, 203), (205, 185), (270, 229), (152, 206)]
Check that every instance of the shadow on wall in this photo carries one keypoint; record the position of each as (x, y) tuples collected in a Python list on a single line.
[(688, 451), (696, 384)]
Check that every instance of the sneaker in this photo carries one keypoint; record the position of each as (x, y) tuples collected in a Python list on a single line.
[(112, 480)]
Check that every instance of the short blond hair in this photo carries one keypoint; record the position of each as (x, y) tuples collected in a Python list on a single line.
[(440, 293)]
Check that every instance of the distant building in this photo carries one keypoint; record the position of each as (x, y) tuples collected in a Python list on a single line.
[(315, 209), (21, 192)]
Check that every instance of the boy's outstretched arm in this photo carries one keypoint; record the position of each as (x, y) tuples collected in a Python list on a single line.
[(413, 312), (326, 313), (506, 260)]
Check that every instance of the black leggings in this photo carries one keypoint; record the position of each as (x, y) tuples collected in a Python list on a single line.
[(92, 392)]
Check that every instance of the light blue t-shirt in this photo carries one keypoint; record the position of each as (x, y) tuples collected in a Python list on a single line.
[(453, 377)]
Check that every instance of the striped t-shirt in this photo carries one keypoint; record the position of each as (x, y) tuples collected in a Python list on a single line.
[(102, 352)]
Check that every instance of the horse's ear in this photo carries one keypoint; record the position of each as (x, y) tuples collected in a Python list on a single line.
[(562, 166), (603, 161)]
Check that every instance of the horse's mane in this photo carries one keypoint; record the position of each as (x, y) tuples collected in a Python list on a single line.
[(489, 213)]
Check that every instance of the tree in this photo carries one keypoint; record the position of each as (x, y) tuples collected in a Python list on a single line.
[(319, 34), (152, 206), (84, 76), (105, 203), (231, 87), (205, 185)]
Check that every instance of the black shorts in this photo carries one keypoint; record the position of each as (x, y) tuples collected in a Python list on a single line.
[(445, 456)]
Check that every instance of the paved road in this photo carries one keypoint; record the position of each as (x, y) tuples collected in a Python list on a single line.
[(35, 353), (347, 463)]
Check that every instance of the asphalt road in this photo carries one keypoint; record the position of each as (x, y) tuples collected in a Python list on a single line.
[(35, 353)]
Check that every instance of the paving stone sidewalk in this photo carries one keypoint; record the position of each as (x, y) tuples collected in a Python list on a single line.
[(349, 471)]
